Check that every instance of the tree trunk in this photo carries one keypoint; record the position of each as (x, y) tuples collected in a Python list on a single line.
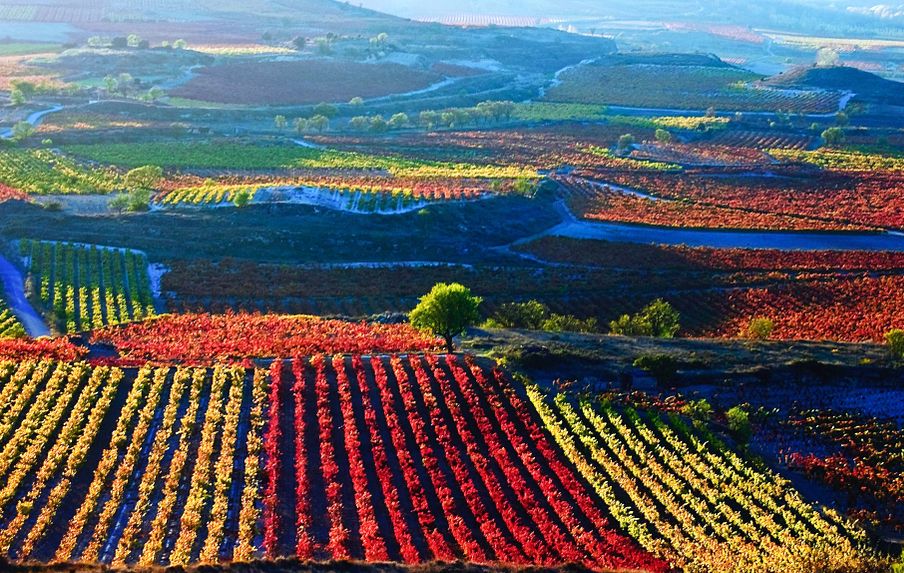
[(450, 346)]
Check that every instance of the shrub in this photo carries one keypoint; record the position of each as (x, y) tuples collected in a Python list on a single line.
[(699, 411), (662, 367), (895, 341), (739, 423), (628, 325), (759, 328), (146, 177), (657, 319), (529, 315), (241, 199), (626, 141), (570, 323)]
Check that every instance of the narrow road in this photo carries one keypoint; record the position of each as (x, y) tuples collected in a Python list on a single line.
[(34, 119), (14, 289)]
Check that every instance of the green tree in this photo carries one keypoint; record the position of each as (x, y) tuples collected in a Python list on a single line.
[(22, 91), (180, 44), (378, 124), (427, 119), (324, 45), (124, 82), (300, 124), (320, 123), (833, 136), (739, 424), (528, 315), (627, 325), (133, 41), (134, 201), (657, 319), (356, 102), (154, 94), (359, 123), (22, 130), (280, 122), (662, 367), (447, 311), (379, 40), (699, 411), (16, 97), (662, 317), (759, 328), (842, 119), (242, 198), (895, 341), (111, 85), (398, 121), (570, 323), (328, 110), (625, 141), (146, 177), (663, 136)]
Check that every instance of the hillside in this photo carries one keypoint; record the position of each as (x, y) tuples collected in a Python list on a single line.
[(277, 23), (869, 88)]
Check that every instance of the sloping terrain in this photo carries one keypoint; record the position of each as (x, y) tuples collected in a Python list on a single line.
[(869, 88)]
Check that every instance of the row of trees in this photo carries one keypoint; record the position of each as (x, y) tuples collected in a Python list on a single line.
[(131, 41), (451, 118), (448, 310)]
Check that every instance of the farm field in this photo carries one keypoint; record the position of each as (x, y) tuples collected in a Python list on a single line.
[(87, 287), (363, 419), (313, 81), (42, 172), (685, 86), (298, 507), (9, 324), (780, 200), (536, 287)]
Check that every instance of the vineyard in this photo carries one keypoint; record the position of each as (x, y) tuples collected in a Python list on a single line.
[(602, 202), (9, 324), (361, 195), (864, 461), (232, 156), (681, 86), (44, 172), (405, 458), (88, 287), (792, 201), (187, 338), (324, 458), (688, 498)]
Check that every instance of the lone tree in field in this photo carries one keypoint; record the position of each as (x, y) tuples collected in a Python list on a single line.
[(895, 341), (446, 311), (833, 136), (22, 130), (146, 177)]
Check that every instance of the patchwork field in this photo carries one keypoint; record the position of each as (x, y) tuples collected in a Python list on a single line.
[(302, 82), (303, 287)]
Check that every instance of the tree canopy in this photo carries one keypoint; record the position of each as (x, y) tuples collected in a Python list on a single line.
[(448, 310)]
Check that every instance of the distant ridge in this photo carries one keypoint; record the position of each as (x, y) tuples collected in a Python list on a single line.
[(869, 87)]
